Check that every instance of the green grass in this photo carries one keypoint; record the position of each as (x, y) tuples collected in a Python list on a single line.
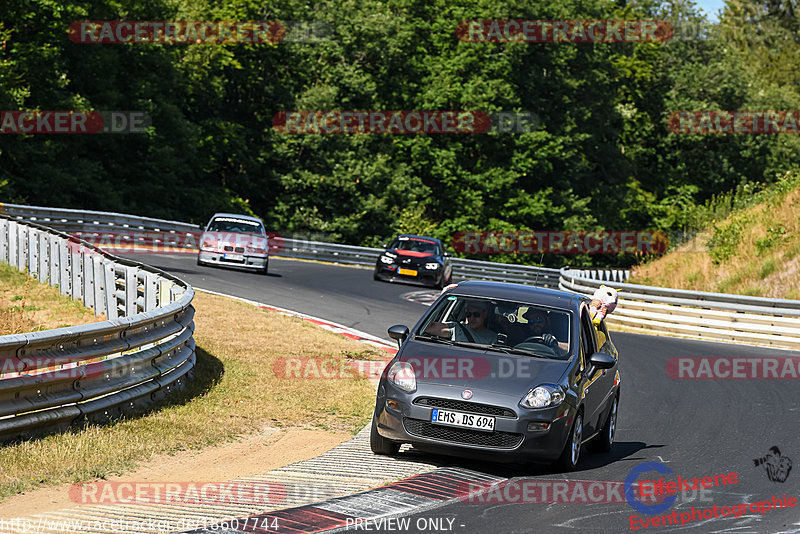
[(234, 392)]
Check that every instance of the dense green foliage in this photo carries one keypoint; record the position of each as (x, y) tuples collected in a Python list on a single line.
[(603, 157)]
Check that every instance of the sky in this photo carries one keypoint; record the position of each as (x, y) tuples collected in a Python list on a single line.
[(710, 8)]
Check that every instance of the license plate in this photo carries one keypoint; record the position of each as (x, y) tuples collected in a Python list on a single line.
[(233, 257), (407, 272), (464, 420)]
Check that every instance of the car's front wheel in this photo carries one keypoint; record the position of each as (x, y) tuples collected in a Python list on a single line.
[(605, 439), (572, 450), (379, 444)]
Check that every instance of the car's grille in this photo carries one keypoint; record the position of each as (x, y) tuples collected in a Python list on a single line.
[(239, 249), (472, 407), (227, 248), (498, 440)]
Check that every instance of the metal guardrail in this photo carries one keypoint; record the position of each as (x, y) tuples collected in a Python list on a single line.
[(645, 309), (52, 379), (697, 314), (472, 269)]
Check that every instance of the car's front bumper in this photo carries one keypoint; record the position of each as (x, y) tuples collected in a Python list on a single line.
[(425, 277), (510, 441), (248, 261)]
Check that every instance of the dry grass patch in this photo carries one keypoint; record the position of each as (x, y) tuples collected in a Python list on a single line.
[(28, 306), (753, 252), (234, 392)]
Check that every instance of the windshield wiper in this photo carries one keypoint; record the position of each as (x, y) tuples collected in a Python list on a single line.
[(434, 339), (512, 350)]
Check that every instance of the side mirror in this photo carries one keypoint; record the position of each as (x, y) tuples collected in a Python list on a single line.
[(201, 226), (448, 255), (399, 333), (384, 245), (600, 360)]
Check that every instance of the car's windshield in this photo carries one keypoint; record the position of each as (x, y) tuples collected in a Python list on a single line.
[(500, 324), (230, 224), (414, 245)]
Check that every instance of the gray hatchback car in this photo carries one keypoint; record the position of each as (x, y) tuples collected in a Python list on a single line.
[(500, 372)]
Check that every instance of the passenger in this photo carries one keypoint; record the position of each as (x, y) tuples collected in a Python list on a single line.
[(475, 328), (539, 328)]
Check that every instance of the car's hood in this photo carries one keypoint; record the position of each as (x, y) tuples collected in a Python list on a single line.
[(476, 369), (242, 240), (412, 253)]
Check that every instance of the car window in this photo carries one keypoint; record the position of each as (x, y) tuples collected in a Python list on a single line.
[(588, 339), (542, 330), (415, 245), (230, 224)]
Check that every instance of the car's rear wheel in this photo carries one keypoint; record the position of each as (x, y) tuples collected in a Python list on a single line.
[(572, 450), (605, 438), (379, 444)]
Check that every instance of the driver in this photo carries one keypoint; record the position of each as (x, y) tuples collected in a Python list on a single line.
[(477, 317), (539, 330)]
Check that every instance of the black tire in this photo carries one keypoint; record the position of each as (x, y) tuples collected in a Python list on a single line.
[(381, 445), (604, 440), (571, 454), (265, 269)]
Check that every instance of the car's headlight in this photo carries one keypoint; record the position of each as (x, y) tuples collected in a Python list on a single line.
[(208, 245), (543, 396), (401, 374), (387, 259), (432, 266)]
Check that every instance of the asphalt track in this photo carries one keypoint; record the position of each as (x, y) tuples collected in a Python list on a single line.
[(696, 428)]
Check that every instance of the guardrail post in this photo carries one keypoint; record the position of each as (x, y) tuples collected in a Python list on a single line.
[(150, 292), (54, 259), (22, 247), (110, 288), (131, 284), (44, 257), (4, 240), (63, 267), (33, 252), (99, 284), (88, 278), (12, 243), (164, 292), (76, 274)]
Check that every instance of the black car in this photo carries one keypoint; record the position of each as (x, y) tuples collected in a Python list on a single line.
[(500, 372), (414, 259)]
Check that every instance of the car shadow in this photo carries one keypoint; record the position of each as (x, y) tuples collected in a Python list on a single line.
[(621, 451)]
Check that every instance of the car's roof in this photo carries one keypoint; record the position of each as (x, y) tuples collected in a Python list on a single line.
[(236, 216), (518, 292), (414, 236)]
